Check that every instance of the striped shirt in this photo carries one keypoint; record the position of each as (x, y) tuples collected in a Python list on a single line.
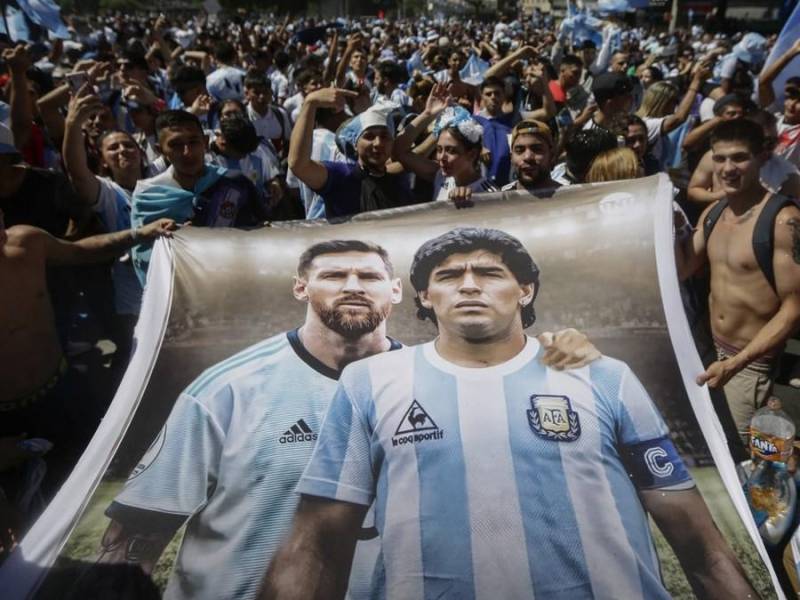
[(228, 458), (512, 481)]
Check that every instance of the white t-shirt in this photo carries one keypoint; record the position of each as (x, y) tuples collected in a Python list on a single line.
[(268, 126), (654, 135), (442, 186)]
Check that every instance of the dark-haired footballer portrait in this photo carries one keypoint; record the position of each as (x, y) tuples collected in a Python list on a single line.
[(268, 331)]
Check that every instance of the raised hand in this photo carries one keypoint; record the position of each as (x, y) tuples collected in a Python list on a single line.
[(438, 100)]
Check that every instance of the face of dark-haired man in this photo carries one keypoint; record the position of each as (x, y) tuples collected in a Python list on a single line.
[(184, 146), (476, 297), (350, 292)]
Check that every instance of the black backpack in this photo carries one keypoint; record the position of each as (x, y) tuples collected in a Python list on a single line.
[(763, 233)]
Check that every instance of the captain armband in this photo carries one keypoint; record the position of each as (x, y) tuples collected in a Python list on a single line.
[(655, 464)]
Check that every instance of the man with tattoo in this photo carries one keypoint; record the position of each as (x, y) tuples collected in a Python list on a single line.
[(37, 398), (751, 242)]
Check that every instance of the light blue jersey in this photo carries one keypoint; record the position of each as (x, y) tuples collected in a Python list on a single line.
[(513, 481), (228, 460)]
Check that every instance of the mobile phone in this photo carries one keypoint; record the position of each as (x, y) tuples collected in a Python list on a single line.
[(76, 80), (564, 119)]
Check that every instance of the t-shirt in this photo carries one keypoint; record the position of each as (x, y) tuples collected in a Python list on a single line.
[(512, 481), (342, 190), (114, 208), (442, 186), (228, 458), (274, 125), (45, 199), (788, 141)]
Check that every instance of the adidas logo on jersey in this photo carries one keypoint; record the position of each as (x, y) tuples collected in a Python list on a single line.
[(299, 432), (416, 426)]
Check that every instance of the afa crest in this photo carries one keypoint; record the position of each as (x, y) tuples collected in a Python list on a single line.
[(552, 418)]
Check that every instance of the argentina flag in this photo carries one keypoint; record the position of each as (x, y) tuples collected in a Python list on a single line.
[(789, 33)]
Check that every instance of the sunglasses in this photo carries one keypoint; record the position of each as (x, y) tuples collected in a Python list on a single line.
[(793, 93)]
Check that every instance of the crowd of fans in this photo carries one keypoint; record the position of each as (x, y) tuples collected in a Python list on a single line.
[(137, 125)]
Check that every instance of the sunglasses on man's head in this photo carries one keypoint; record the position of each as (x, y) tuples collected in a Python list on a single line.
[(793, 93)]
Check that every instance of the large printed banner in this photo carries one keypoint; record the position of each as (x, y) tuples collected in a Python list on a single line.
[(192, 473)]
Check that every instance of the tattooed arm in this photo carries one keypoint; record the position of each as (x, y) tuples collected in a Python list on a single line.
[(786, 321)]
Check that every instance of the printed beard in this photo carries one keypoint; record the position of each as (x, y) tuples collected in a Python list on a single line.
[(349, 323)]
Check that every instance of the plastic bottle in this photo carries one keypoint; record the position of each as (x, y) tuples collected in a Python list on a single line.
[(771, 490)]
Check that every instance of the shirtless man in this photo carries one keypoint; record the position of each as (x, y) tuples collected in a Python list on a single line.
[(751, 318), (35, 395)]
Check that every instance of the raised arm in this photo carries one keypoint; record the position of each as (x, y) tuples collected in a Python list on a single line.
[(311, 172), (697, 135), (420, 165), (21, 112), (329, 73), (353, 42), (50, 106), (81, 107), (681, 113), (766, 95), (314, 562), (501, 67), (709, 563)]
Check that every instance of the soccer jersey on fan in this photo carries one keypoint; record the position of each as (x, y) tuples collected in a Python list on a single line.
[(228, 459), (512, 481)]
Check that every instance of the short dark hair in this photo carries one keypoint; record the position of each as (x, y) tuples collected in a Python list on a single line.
[(224, 52), (619, 123), (493, 82), (393, 72), (572, 60), (584, 145), (186, 78), (467, 239), (339, 247), (740, 130), (255, 78), (176, 118), (306, 76), (239, 133)]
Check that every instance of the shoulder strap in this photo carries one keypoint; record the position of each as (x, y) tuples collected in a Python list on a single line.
[(764, 235), (712, 217)]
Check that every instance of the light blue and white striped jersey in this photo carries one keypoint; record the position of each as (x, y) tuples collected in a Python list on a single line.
[(228, 459), (512, 481), (114, 208), (323, 148), (260, 166)]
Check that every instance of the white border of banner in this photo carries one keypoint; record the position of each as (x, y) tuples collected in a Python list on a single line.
[(690, 366), (24, 570)]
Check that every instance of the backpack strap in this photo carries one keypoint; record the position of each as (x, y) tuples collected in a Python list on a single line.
[(764, 235), (712, 217)]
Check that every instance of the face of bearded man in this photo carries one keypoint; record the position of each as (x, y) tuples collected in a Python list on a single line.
[(351, 292)]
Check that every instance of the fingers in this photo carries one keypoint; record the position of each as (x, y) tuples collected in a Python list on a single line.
[(546, 339)]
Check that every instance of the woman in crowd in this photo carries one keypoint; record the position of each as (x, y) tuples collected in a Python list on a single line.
[(456, 171)]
